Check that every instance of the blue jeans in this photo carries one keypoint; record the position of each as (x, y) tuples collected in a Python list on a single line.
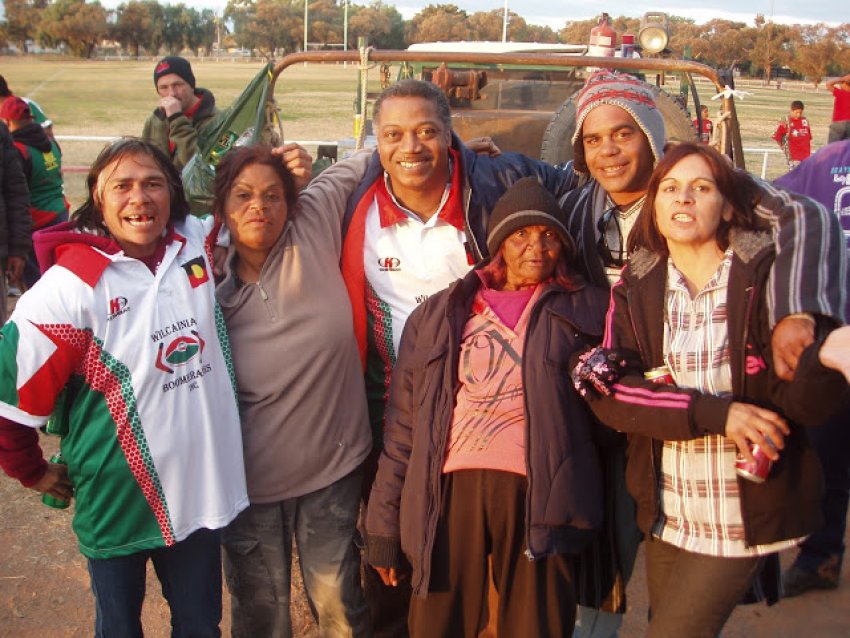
[(258, 563), (825, 548), (190, 575), (595, 623)]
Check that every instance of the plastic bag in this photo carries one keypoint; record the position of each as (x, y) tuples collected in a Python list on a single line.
[(251, 118)]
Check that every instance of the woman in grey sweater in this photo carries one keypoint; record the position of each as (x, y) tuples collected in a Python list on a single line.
[(301, 396)]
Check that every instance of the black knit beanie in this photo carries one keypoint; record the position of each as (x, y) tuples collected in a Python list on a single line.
[(177, 65), (526, 203)]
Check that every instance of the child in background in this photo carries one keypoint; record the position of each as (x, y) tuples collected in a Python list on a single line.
[(794, 135), (707, 126)]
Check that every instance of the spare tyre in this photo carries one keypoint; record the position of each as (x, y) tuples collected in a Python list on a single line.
[(557, 146)]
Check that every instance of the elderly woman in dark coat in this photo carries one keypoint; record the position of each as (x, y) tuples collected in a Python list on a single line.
[(489, 453)]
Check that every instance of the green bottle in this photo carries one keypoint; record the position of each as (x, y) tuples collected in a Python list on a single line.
[(57, 425), (224, 144), (52, 501), (57, 422)]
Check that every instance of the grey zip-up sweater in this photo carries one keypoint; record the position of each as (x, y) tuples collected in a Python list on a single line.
[(301, 397)]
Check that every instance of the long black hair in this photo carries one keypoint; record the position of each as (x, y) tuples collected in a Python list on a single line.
[(89, 216)]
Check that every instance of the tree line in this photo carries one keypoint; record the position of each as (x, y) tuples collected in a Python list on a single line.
[(272, 28)]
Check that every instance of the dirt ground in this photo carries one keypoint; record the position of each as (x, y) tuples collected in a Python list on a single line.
[(44, 584), (44, 587)]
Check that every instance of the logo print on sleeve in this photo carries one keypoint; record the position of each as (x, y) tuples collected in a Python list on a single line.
[(196, 270)]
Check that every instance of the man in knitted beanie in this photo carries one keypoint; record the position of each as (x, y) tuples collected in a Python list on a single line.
[(182, 111), (619, 137)]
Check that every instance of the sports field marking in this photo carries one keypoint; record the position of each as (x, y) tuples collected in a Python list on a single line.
[(38, 86)]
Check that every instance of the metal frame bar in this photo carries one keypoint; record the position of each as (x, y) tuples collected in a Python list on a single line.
[(661, 65)]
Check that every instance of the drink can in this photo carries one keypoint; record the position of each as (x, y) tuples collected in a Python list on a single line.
[(756, 471), (661, 374), (52, 501)]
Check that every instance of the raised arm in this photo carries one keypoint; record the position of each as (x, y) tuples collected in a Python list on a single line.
[(830, 84), (325, 197), (809, 274), (297, 161)]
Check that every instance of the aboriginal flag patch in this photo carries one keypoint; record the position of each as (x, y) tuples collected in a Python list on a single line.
[(196, 270)]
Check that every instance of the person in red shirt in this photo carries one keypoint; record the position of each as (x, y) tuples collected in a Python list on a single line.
[(840, 127), (794, 135), (707, 129)]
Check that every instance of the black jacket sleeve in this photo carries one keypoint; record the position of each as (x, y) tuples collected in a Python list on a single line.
[(15, 220)]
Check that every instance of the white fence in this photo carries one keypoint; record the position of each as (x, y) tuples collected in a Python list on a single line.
[(765, 153)]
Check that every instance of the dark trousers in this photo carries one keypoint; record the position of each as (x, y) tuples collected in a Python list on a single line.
[(388, 606), (190, 575), (838, 131), (825, 548), (693, 594), (258, 563), (483, 516)]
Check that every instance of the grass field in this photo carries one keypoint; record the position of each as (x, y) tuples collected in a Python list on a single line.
[(114, 98)]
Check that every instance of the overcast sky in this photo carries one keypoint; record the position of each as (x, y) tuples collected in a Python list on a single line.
[(555, 12)]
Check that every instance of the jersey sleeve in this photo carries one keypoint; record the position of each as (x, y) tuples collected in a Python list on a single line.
[(40, 347)]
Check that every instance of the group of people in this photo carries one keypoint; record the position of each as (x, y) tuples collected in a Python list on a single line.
[(794, 132), (424, 335), (40, 182)]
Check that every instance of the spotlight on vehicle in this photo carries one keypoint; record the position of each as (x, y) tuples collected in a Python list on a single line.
[(654, 33)]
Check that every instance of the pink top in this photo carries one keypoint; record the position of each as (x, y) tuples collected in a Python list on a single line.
[(488, 426)]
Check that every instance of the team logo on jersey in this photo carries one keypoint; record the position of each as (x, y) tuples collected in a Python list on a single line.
[(180, 351), (389, 264), (50, 161), (117, 306), (196, 270)]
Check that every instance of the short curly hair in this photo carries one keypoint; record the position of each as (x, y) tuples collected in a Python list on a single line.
[(420, 89), (238, 159)]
